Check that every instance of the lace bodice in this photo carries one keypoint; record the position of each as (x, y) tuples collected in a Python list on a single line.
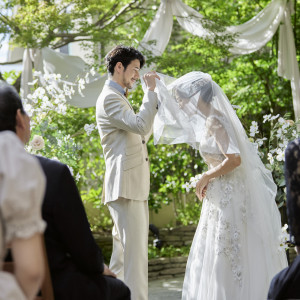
[(216, 140)]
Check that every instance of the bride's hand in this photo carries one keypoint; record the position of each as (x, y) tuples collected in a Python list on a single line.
[(201, 186)]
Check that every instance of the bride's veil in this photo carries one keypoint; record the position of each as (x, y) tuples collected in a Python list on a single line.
[(194, 109)]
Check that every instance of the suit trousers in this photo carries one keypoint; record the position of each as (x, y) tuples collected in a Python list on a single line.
[(129, 259)]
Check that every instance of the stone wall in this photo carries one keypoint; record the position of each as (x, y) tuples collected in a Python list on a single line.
[(164, 267), (178, 236)]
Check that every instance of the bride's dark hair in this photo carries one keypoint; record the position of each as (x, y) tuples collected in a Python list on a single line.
[(206, 92), (204, 89)]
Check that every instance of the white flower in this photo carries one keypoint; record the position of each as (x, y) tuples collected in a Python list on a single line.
[(283, 144), (89, 128), (39, 92), (92, 71), (281, 120), (260, 141), (47, 77), (266, 118), (284, 228), (253, 128), (271, 158), (186, 186), (33, 82), (29, 109), (285, 125), (294, 133), (37, 143), (62, 109), (77, 177), (283, 238), (280, 155), (87, 80), (37, 73), (81, 83), (279, 133), (269, 117), (50, 89), (56, 77), (198, 176)]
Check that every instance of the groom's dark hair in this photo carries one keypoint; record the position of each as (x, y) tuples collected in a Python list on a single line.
[(122, 54), (10, 102)]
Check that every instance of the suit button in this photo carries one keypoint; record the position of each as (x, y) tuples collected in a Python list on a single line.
[(147, 159), (143, 142)]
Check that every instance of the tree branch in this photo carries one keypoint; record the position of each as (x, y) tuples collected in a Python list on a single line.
[(105, 16), (123, 10), (71, 40), (11, 62), (6, 21)]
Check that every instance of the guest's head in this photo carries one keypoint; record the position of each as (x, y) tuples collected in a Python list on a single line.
[(292, 177), (12, 114), (123, 63)]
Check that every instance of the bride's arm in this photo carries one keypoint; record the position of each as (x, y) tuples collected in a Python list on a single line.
[(231, 162)]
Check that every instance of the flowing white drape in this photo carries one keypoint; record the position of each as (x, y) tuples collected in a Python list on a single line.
[(69, 67), (250, 36)]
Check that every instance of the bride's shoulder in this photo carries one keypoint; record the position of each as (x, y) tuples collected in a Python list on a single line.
[(216, 121)]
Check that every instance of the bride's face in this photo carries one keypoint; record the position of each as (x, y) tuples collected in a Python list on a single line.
[(183, 102)]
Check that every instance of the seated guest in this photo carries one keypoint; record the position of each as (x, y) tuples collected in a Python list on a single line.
[(75, 261), (22, 186), (286, 284)]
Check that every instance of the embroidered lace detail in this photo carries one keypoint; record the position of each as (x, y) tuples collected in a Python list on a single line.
[(227, 191), (228, 243), (244, 200), (226, 234)]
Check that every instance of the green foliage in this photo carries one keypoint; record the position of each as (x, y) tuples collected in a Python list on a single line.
[(41, 23), (189, 214), (169, 251)]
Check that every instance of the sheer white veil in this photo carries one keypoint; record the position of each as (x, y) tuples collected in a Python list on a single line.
[(193, 106)]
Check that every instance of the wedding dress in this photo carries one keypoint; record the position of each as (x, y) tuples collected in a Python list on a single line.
[(235, 251)]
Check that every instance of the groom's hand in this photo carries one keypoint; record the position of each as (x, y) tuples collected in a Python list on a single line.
[(149, 79)]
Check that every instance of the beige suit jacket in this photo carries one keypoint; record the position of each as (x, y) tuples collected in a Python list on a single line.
[(122, 134)]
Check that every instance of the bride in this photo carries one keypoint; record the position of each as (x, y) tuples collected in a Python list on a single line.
[(235, 251)]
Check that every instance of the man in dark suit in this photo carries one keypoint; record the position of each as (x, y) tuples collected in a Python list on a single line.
[(75, 261), (286, 284)]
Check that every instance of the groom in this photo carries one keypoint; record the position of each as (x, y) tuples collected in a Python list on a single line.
[(127, 177)]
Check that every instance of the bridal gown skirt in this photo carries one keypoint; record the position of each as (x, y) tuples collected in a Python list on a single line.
[(229, 258)]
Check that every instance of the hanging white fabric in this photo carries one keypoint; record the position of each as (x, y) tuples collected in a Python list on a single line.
[(69, 67), (251, 36)]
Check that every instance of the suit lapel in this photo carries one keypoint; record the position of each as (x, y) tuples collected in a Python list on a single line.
[(123, 96)]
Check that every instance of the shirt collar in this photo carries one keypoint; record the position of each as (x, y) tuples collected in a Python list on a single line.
[(115, 85)]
